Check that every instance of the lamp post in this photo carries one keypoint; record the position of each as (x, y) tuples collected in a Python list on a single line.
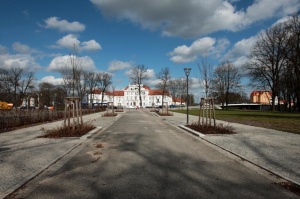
[(187, 73), (113, 88), (38, 100), (28, 102)]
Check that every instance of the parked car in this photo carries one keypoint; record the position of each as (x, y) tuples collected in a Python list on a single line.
[(131, 107)]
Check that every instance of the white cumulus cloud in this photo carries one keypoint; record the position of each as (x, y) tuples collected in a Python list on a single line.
[(240, 48), (184, 54), (23, 48), (52, 80), (68, 41), (116, 65), (71, 41), (63, 25), (3, 50), (24, 61), (61, 62), (91, 45), (150, 73), (192, 18)]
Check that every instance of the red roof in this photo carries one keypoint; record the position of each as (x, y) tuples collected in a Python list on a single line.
[(177, 99), (146, 87), (96, 91), (115, 93), (157, 92)]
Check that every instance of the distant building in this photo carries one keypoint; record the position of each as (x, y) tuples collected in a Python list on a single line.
[(129, 97), (261, 97)]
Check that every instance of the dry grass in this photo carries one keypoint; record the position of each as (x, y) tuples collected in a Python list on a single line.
[(109, 115), (206, 129), (64, 131), (165, 114)]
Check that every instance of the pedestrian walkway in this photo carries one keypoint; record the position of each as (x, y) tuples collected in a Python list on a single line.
[(23, 155), (272, 150)]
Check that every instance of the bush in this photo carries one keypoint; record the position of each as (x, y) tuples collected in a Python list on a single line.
[(207, 129), (109, 114), (65, 131), (165, 114)]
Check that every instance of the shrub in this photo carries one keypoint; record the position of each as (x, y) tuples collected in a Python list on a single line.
[(109, 114), (207, 129), (65, 131)]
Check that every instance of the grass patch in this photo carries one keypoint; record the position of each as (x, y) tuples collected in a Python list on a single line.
[(282, 121), (64, 131)]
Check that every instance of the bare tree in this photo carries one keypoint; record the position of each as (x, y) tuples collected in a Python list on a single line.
[(182, 88), (268, 58), (103, 81), (174, 87), (164, 76), (90, 79), (16, 83), (137, 76), (72, 75), (206, 74), (293, 61), (226, 80), (47, 93), (5, 86), (26, 84)]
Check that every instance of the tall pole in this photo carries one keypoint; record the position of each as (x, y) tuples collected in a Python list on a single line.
[(38, 100), (113, 88), (28, 102), (187, 73)]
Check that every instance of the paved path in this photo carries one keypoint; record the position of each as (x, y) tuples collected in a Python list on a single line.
[(141, 156), (278, 152), (22, 156)]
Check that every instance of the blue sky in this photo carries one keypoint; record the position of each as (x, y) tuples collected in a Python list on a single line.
[(112, 36)]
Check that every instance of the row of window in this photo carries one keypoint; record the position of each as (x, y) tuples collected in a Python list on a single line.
[(134, 93), (150, 98)]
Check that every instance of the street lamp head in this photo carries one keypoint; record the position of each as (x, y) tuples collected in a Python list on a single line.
[(187, 71)]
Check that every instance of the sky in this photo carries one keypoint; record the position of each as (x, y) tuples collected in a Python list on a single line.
[(114, 35)]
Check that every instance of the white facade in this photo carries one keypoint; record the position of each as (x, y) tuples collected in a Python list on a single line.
[(129, 97)]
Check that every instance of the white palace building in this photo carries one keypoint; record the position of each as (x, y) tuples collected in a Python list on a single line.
[(129, 97)]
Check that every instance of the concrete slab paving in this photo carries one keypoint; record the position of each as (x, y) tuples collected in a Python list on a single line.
[(272, 150), (23, 155)]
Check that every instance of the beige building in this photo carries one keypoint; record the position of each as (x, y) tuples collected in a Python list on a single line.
[(261, 97), (129, 97)]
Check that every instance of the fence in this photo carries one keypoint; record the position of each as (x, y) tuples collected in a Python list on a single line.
[(18, 117)]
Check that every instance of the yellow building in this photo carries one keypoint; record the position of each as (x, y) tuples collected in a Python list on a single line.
[(261, 97)]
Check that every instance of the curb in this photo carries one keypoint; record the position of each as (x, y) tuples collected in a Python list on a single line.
[(192, 131)]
